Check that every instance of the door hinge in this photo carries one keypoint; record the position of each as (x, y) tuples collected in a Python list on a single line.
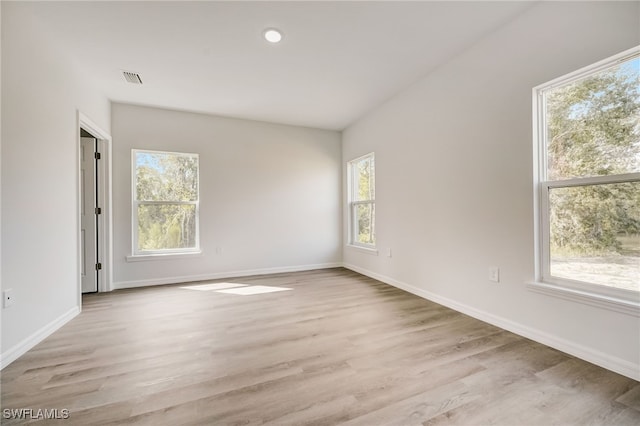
[(96, 155), (98, 210), (98, 266)]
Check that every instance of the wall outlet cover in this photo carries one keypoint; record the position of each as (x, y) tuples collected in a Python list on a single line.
[(7, 298), (494, 274)]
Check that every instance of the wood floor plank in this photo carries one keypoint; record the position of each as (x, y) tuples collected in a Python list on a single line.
[(338, 348), (631, 398)]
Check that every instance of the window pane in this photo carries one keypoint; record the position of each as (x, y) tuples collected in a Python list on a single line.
[(166, 226), (166, 177), (593, 124), (364, 227), (364, 179), (595, 234)]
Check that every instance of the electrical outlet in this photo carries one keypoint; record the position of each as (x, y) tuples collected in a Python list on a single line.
[(389, 252), (494, 274), (7, 298)]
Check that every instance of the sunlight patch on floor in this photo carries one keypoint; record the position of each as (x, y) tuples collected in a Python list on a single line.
[(254, 289), (213, 287), (233, 288)]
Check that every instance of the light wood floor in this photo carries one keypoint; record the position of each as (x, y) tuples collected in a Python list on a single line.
[(339, 348)]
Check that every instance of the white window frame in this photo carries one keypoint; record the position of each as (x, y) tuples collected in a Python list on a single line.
[(351, 191), (616, 299), (159, 254)]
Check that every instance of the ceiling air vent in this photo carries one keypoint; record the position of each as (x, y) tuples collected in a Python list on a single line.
[(132, 77)]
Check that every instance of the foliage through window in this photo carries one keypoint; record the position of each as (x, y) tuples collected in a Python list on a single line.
[(588, 126), (362, 204), (165, 202)]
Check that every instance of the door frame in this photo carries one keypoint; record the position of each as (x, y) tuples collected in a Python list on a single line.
[(104, 199)]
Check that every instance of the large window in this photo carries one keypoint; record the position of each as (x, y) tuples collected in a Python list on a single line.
[(165, 202), (362, 201), (588, 174)]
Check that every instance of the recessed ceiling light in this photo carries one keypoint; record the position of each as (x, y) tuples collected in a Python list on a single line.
[(272, 35)]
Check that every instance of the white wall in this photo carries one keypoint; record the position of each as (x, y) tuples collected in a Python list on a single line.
[(1, 287), (0, 185), (270, 195), (454, 182), (41, 93)]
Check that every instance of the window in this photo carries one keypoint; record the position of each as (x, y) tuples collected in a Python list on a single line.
[(165, 202), (588, 176), (362, 201)]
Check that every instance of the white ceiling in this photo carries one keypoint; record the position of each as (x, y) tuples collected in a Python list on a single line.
[(337, 61)]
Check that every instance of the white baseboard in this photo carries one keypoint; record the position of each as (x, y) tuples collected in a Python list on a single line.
[(618, 365), (13, 353), (221, 275)]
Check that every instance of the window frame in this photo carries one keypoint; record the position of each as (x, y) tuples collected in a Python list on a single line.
[(622, 300), (351, 191), (138, 254)]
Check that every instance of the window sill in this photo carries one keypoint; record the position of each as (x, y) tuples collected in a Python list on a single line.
[(163, 256), (601, 301), (366, 250)]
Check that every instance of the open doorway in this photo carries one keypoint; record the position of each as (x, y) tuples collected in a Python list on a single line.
[(94, 207)]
